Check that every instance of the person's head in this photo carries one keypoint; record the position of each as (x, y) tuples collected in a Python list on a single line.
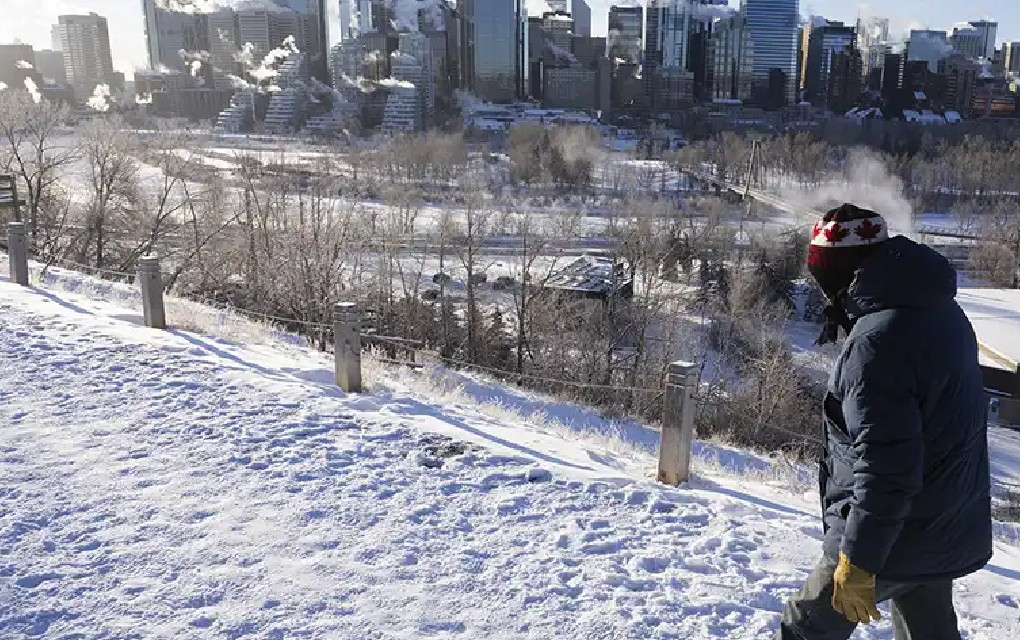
[(840, 242)]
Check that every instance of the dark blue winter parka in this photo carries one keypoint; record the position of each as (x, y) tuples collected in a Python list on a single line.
[(904, 475)]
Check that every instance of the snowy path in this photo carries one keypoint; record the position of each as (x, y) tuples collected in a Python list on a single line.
[(157, 485)]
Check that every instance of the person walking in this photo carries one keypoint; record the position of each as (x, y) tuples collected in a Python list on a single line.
[(904, 475)]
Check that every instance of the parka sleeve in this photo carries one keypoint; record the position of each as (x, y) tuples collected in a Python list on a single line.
[(883, 419)]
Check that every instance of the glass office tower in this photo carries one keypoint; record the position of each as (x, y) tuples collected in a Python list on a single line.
[(774, 25), (493, 37)]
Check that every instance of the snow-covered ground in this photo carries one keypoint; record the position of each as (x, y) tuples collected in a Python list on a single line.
[(175, 484), (995, 314)]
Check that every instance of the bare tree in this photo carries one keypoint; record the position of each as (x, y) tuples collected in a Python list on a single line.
[(109, 150), (536, 263), (472, 227), (39, 154)]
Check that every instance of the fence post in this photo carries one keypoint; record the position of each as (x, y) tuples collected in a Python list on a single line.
[(347, 346), (151, 282), (677, 435), (17, 252)]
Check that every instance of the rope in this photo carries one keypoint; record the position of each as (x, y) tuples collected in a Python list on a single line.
[(405, 343), (528, 376), (802, 436), (87, 268), (226, 306)]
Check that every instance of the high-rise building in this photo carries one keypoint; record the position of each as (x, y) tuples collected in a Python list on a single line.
[(413, 62), (348, 20), (257, 27), (624, 38), (224, 44), (557, 36), (824, 46), (576, 9), (732, 53), (402, 112), (168, 33), (250, 32), (892, 77), (872, 30), (676, 43), (671, 27), (929, 46), (968, 41), (493, 48), (1011, 59), (843, 85), (51, 65), (375, 16), (18, 65), (961, 73), (773, 25), (588, 51), (313, 33), (240, 115), (570, 88), (873, 42), (988, 30), (803, 45), (85, 43), (346, 61)]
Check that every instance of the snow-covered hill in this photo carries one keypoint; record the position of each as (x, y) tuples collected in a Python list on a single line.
[(172, 484)]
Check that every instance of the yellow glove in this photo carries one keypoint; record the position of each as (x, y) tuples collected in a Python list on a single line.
[(853, 593)]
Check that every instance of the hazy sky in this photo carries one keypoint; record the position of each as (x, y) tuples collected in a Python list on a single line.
[(30, 20)]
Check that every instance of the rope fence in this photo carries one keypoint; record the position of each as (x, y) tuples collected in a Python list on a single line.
[(87, 269)]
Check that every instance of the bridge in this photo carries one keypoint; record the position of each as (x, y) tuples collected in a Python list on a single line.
[(746, 191)]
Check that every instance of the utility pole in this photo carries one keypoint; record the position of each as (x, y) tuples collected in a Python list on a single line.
[(753, 169)]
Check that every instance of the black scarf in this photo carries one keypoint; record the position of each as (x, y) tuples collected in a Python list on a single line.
[(835, 317)]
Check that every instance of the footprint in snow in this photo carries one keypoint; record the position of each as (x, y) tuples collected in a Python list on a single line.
[(1008, 600), (34, 580)]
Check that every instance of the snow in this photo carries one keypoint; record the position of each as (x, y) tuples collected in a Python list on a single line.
[(1005, 458), (177, 484), (995, 315)]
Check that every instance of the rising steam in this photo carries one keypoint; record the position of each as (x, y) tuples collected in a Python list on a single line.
[(865, 182)]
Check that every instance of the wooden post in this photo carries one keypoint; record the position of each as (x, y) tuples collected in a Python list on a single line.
[(677, 434), (347, 346), (17, 252), (151, 282)]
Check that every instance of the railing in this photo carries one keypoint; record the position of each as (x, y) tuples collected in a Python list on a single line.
[(349, 336)]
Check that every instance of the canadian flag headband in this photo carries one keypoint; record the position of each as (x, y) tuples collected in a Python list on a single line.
[(849, 228)]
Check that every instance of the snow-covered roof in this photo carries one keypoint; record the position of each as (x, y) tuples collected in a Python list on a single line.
[(589, 274), (487, 124), (861, 114), (995, 315)]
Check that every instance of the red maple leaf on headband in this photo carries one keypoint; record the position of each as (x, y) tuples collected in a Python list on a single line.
[(868, 231), (836, 233)]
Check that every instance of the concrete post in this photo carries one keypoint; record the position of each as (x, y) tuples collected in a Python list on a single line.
[(677, 436), (347, 346), (151, 282), (17, 251)]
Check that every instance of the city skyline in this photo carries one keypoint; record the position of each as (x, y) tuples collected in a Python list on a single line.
[(30, 21)]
